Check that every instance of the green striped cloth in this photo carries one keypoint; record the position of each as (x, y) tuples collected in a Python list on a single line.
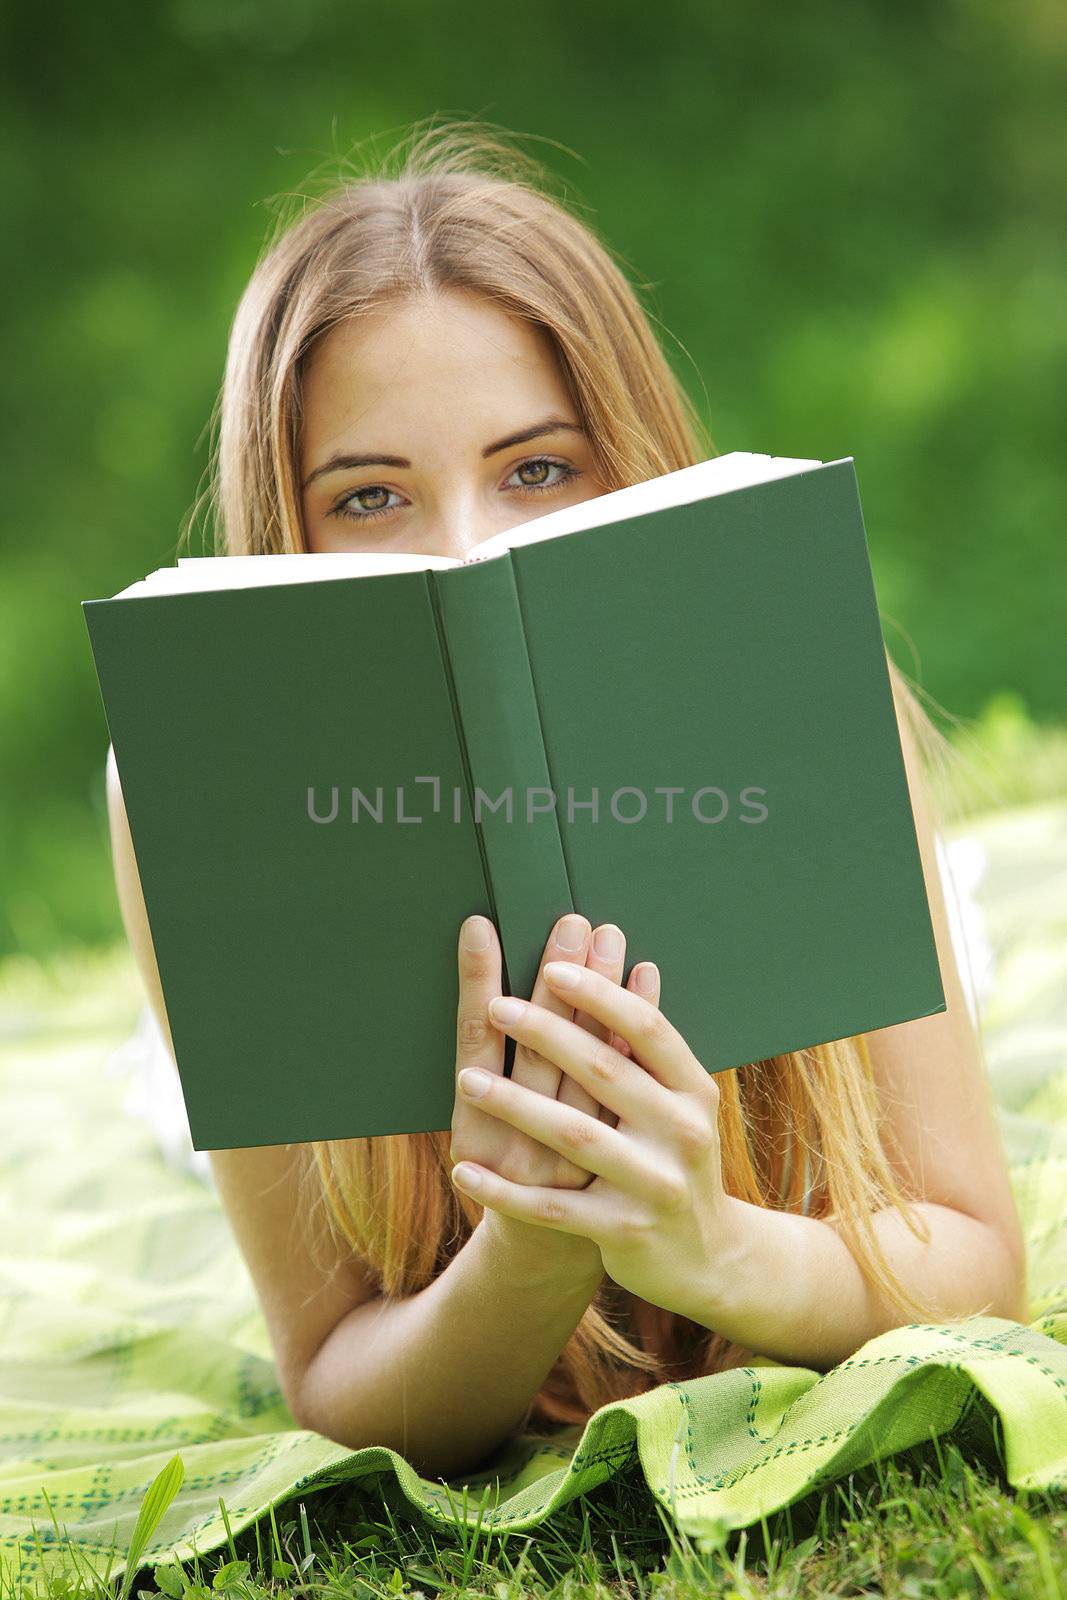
[(129, 1328)]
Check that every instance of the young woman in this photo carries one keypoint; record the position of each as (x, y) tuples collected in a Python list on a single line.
[(424, 358)]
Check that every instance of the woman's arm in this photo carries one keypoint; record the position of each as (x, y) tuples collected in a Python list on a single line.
[(446, 1374), (820, 1310)]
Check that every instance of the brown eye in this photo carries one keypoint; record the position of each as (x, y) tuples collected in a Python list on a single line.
[(373, 500), (539, 475), (378, 497)]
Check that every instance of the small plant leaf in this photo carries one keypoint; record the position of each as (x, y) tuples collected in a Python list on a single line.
[(230, 1572), (160, 1493), (169, 1581)]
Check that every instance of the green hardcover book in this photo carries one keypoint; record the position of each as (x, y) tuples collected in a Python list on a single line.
[(668, 707)]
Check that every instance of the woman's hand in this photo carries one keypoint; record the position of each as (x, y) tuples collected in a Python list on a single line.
[(656, 1207), (485, 1139)]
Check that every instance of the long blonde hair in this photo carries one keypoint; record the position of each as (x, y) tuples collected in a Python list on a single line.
[(463, 207)]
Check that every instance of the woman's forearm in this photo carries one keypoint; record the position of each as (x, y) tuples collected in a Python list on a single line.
[(795, 1291), (444, 1375)]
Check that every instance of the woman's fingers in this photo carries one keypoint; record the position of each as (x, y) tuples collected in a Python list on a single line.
[(626, 1087), (607, 955), (568, 941), (655, 1042), (478, 1043), (634, 1167), (645, 981)]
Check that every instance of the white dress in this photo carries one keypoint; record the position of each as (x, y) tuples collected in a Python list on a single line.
[(154, 1095)]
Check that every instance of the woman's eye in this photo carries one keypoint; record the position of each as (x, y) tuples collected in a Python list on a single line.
[(370, 501), (534, 474)]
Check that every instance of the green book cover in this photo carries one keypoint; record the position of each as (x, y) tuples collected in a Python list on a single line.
[(679, 720)]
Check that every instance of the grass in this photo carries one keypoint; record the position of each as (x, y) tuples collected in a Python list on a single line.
[(937, 1522)]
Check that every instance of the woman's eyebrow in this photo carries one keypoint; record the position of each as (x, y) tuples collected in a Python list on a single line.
[(345, 462), (550, 425)]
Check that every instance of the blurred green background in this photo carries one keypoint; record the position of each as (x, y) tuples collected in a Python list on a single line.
[(849, 217)]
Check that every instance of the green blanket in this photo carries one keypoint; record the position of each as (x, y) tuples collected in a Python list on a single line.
[(129, 1328)]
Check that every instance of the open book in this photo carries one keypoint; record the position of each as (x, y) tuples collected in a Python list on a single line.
[(668, 707)]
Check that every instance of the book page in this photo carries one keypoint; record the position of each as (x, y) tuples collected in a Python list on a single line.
[(736, 470), (195, 573)]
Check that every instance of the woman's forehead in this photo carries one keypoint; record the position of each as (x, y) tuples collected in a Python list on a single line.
[(440, 360)]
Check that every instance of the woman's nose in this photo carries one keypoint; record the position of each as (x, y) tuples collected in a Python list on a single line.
[(456, 531)]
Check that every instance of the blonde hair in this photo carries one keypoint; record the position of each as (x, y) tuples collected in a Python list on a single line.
[(464, 209)]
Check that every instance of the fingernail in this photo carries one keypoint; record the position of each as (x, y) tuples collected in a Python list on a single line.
[(570, 935), (476, 934), (647, 978), (563, 974), (473, 1082), (608, 942), (504, 1009)]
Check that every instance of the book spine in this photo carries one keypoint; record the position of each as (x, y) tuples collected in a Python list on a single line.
[(509, 790)]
